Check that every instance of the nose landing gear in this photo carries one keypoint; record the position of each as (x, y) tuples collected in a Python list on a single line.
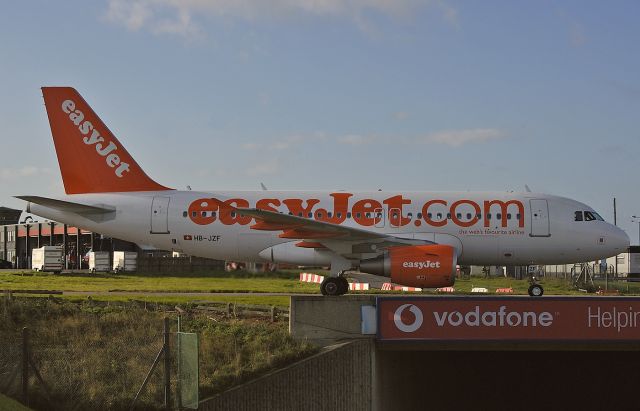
[(535, 289)]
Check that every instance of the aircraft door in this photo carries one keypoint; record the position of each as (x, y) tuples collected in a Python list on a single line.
[(160, 215), (539, 218)]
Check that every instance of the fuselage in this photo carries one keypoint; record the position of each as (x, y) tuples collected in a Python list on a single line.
[(486, 228)]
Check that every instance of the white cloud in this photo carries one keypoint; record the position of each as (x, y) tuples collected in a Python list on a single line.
[(457, 138), (264, 168), (12, 174), (401, 115), (356, 139), (175, 16), (251, 146)]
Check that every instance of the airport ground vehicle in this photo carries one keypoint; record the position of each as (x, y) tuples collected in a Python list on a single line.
[(415, 238), (47, 258)]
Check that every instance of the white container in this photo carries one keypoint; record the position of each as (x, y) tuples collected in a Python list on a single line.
[(47, 258), (99, 261), (125, 261)]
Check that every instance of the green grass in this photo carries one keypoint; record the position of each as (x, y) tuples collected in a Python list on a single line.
[(96, 357), (551, 285), (242, 282), (9, 404), (187, 282), (278, 301)]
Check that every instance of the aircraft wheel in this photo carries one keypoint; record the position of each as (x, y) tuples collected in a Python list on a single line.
[(332, 286), (344, 285), (536, 290)]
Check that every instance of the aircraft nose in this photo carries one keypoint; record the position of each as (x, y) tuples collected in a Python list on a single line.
[(619, 240)]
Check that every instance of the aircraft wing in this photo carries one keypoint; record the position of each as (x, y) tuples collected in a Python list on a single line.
[(350, 242)]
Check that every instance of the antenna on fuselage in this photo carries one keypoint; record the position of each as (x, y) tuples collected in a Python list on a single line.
[(264, 188), (527, 189)]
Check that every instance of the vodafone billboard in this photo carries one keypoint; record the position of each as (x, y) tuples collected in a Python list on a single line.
[(508, 319)]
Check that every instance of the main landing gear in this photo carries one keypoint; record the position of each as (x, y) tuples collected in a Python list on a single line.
[(334, 286), (535, 289)]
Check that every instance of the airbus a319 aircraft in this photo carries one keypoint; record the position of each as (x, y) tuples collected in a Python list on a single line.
[(415, 238)]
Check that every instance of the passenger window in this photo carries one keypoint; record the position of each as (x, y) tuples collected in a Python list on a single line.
[(339, 215), (358, 215), (498, 216), (420, 215), (518, 216), (448, 216), (194, 213), (508, 216), (233, 214), (290, 213), (429, 215), (319, 215), (488, 216), (578, 216), (300, 214), (410, 215), (468, 216), (479, 216), (204, 214), (348, 214), (458, 216), (368, 215), (439, 216), (329, 214), (213, 214), (184, 213), (310, 215)]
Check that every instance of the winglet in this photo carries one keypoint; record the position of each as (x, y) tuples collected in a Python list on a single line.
[(91, 158)]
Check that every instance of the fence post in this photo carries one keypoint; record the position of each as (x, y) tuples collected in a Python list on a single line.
[(25, 366), (273, 313), (167, 366)]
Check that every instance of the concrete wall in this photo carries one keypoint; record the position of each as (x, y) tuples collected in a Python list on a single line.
[(326, 320), (339, 378)]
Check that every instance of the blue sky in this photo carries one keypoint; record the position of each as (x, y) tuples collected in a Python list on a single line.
[(324, 94)]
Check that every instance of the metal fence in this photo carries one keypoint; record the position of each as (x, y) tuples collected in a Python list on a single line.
[(56, 355), (72, 366)]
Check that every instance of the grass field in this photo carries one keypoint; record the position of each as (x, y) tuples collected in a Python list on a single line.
[(188, 282), (254, 285), (96, 357)]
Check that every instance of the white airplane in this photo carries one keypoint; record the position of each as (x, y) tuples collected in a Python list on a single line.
[(415, 238)]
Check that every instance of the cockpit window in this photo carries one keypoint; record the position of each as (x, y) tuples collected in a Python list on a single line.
[(587, 216), (591, 216)]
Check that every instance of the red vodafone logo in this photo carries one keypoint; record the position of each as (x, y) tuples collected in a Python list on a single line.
[(412, 325)]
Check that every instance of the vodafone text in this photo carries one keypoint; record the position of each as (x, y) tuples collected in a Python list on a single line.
[(500, 318), (86, 127), (613, 319), (365, 212)]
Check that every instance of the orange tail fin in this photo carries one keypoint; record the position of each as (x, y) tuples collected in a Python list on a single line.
[(91, 158)]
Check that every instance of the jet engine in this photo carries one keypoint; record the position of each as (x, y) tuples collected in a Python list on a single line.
[(425, 266)]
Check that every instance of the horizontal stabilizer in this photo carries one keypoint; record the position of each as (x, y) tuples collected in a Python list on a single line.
[(67, 206)]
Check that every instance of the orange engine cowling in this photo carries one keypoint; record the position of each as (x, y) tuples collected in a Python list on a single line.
[(424, 266)]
